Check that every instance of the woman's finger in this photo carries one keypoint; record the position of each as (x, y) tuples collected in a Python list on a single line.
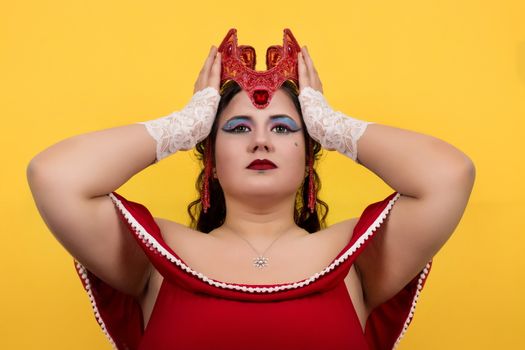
[(215, 74), (209, 61), (312, 72), (303, 74), (309, 63), (202, 79)]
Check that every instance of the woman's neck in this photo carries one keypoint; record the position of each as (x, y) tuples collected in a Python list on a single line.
[(259, 223)]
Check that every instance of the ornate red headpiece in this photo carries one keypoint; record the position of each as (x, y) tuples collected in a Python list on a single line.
[(238, 64)]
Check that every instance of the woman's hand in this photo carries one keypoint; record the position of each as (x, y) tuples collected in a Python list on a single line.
[(308, 75), (210, 74), (334, 130), (313, 105), (182, 130)]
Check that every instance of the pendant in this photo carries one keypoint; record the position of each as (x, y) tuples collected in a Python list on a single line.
[(260, 262)]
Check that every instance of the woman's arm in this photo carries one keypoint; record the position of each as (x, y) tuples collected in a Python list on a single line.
[(434, 179), (71, 179)]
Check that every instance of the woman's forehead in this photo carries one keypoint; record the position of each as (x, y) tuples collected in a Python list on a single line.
[(280, 103)]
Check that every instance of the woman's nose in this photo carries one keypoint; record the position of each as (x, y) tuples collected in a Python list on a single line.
[(261, 141)]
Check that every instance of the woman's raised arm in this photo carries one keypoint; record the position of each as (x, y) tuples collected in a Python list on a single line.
[(70, 181), (434, 180)]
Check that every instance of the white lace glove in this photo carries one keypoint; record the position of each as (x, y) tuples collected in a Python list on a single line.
[(182, 130), (332, 129)]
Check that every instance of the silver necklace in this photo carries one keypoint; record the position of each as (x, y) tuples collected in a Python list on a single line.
[(260, 261)]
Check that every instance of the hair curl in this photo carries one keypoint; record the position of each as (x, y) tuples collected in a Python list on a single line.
[(216, 213)]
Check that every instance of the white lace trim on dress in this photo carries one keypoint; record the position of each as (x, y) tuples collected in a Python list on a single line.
[(422, 276), (152, 243), (82, 271)]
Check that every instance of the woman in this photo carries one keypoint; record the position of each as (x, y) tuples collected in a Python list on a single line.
[(157, 284)]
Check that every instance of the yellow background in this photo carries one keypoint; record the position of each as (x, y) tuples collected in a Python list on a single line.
[(452, 69)]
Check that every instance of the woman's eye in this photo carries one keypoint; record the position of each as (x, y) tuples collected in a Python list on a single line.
[(281, 129), (284, 129), (236, 129)]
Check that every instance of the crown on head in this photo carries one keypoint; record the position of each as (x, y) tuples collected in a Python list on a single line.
[(238, 64)]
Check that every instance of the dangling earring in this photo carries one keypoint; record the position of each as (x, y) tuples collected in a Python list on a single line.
[(311, 183), (205, 194)]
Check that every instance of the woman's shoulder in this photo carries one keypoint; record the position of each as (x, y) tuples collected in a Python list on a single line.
[(174, 230), (339, 232), (190, 243), (211, 253), (173, 227), (181, 236)]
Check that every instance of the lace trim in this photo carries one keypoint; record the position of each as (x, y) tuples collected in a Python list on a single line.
[(332, 129), (422, 278), (82, 271), (152, 243), (182, 130)]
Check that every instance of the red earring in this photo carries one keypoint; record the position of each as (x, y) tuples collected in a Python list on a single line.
[(205, 194), (311, 183)]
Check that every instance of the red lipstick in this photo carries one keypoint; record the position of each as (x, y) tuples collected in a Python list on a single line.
[(261, 164)]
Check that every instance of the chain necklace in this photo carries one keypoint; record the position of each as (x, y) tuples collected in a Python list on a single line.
[(260, 261)]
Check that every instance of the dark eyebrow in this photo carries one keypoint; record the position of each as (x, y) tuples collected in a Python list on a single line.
[(247, 117)]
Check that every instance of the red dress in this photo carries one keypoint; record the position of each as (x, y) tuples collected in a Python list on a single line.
[(193, 311)]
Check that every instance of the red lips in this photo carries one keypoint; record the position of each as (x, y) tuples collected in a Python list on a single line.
[(262, 164)]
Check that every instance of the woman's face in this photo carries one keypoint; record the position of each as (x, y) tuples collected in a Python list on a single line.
[(246, 133)]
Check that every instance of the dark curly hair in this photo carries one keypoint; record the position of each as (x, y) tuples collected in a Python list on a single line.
[(216, 213)]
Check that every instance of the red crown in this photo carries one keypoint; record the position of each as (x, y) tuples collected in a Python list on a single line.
[(238, 64)]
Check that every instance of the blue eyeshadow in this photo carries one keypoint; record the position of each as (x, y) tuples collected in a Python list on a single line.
[(233, 122), (288, 121)]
